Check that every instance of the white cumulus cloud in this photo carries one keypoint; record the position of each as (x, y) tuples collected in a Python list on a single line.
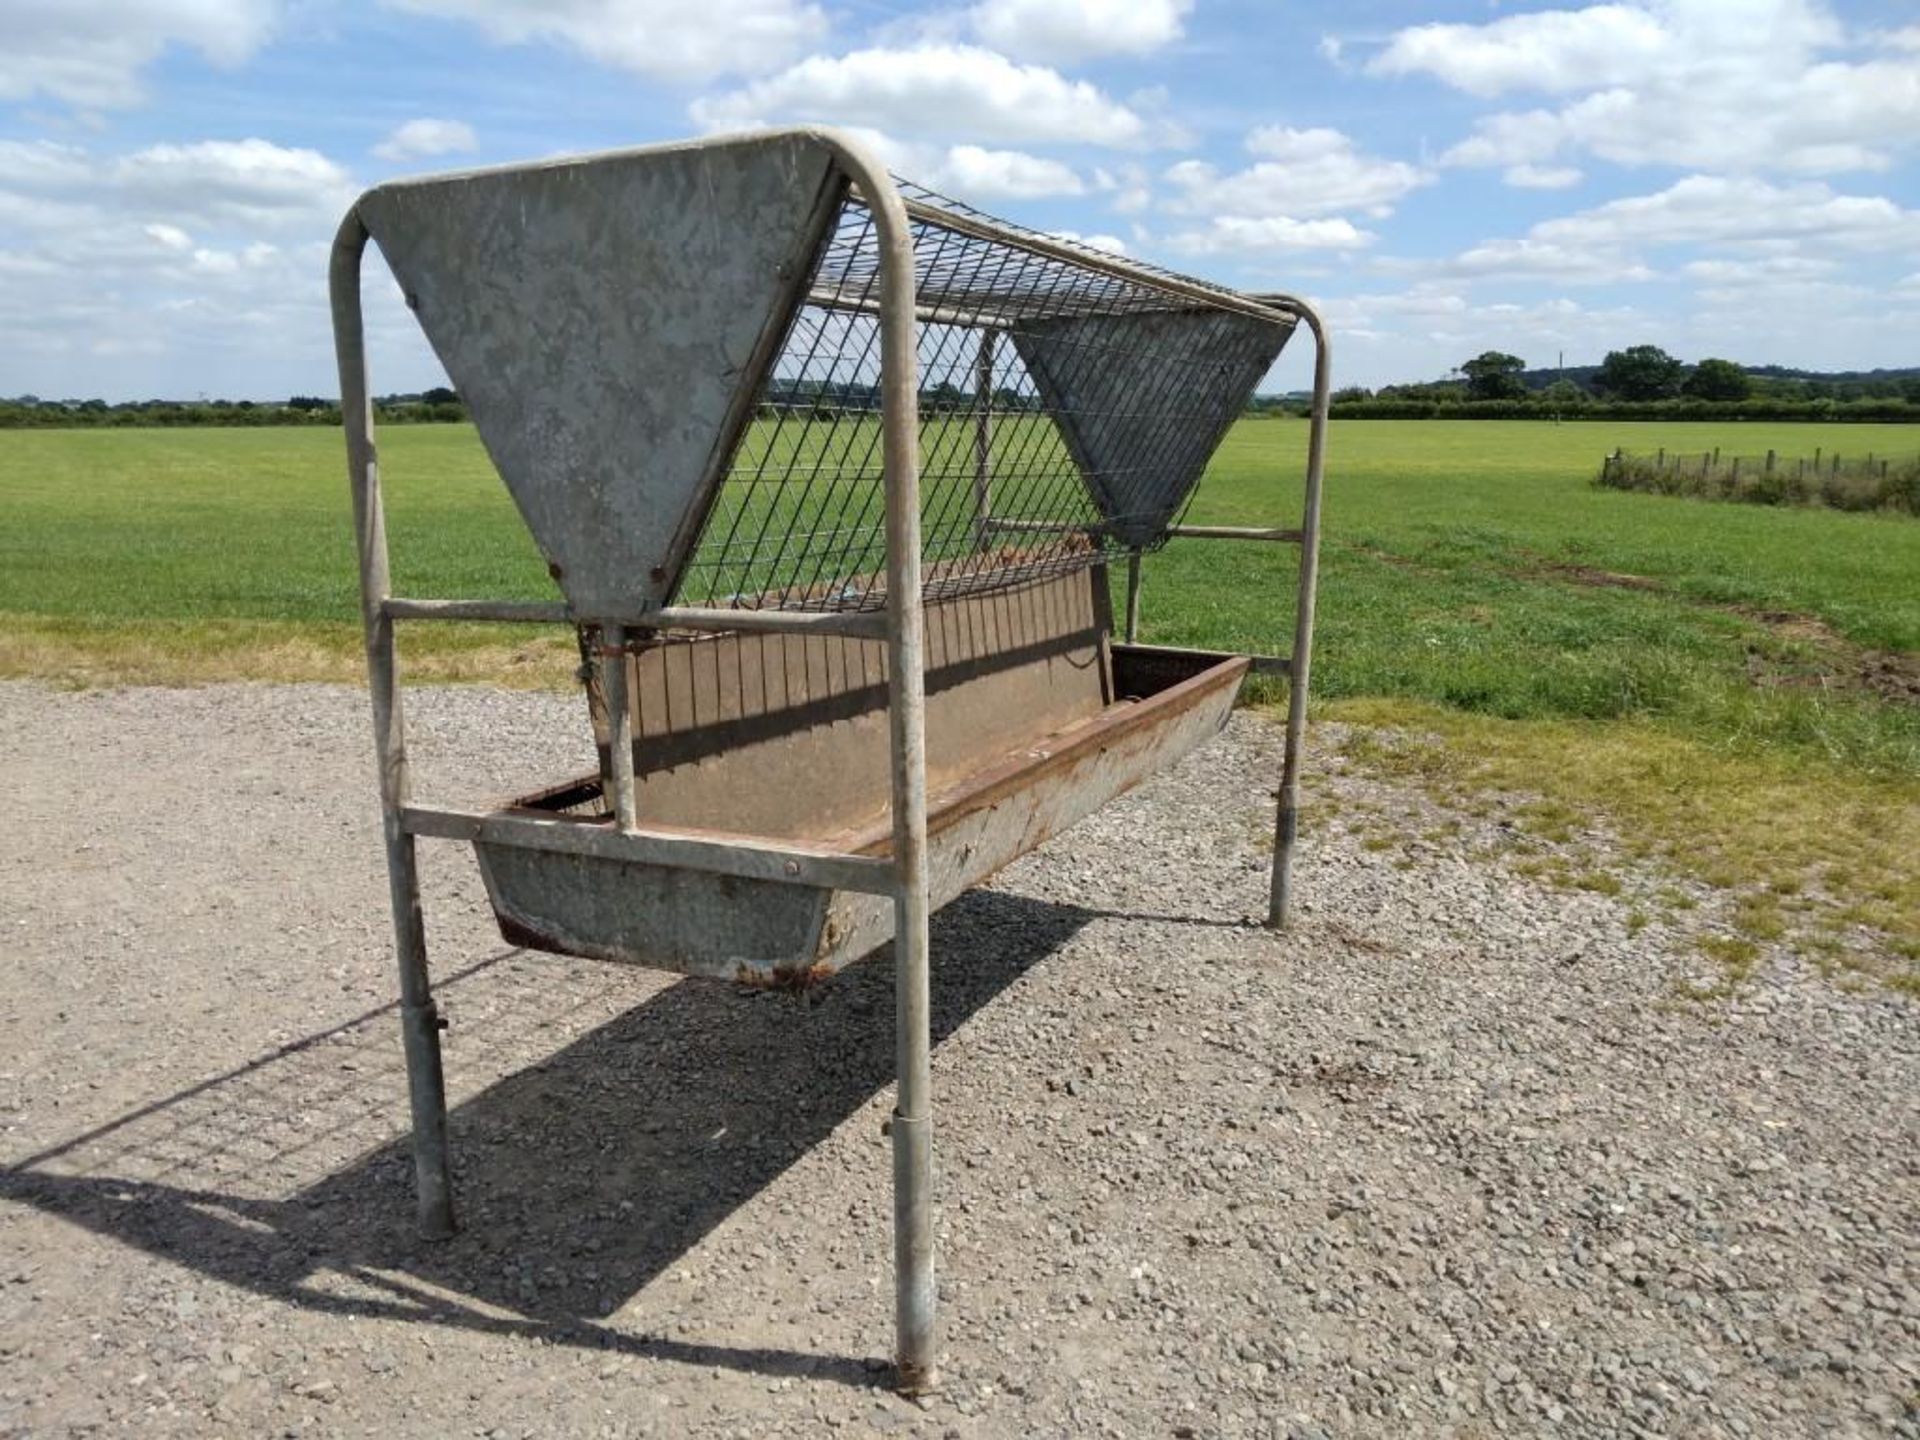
[(1299, 172), (1759, 272), (1111, 244), (1534, 258), (972, 172), (1063, 31), (1743, 213), (252, 183), (171, 236), (1751, 228), (1694, 84), (1254, 236), (1004, 174), (425, 137), (1542, 177), (935, 88), (92, 52), (665, 39), (1551, 51), (176, 268)]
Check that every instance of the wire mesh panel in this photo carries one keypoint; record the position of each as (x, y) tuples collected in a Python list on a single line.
[(1066, 413)]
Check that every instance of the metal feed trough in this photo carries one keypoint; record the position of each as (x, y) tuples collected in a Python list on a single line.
[(829, 473)]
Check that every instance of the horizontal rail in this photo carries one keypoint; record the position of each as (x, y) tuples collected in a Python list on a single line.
[(860, 302), (863, 624), (1260, 664), (868, 625), (1234, 532), (506, 612), (1178, 532), (749, 857), (1055, 527)]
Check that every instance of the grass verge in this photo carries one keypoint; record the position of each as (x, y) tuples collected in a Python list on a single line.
[(70, 651), (1812, 854)]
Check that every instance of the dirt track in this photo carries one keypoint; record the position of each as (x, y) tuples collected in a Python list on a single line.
[(1450, 1158)]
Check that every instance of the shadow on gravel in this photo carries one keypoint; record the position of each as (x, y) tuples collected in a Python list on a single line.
[(580, 1178)]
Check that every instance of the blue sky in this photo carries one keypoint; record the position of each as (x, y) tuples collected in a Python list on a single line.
[(1733, 177)]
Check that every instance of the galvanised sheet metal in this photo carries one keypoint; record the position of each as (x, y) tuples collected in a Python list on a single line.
[(790, 934), (715, 716), (606, 320), (1141, 428)]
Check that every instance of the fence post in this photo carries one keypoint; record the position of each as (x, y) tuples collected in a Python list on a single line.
[(1735, 483), (1661, 462), (1816, 457), (1769, 462)]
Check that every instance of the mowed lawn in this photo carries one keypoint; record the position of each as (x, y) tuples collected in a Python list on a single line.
[(1475, 564), (1674, 665)]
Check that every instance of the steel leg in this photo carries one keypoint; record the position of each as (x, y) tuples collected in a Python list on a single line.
[(1287, 818), (419, 1018), (915, 1344), (420, 1027)]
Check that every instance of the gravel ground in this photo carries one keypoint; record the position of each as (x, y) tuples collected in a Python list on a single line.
[(1452, 1157)]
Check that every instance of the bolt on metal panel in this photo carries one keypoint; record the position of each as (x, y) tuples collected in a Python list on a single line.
[(603, 318)]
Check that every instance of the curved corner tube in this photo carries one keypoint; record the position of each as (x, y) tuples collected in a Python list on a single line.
[(1287, 817), (420, 1019), (915, 1359)]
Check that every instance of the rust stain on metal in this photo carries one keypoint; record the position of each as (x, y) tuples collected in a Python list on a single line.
[(788, 979)]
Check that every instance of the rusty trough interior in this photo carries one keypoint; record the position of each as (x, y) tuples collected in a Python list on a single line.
[(1034, 718)]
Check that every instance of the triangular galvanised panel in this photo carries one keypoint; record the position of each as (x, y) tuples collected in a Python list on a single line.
[(607, 320), (1144, 398)]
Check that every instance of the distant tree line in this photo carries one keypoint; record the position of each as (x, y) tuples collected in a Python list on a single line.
[(436, 406), (830, 399), (1641, 382), (822, 399)]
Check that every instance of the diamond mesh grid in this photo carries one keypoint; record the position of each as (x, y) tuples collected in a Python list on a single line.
[(1054, 431)]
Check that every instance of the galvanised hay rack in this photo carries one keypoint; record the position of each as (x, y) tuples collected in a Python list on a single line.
[(829, 472)]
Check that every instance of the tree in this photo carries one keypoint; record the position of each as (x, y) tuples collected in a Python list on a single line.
[(1718, 380), (1494, 375), (1640, 372), (1564, 395)]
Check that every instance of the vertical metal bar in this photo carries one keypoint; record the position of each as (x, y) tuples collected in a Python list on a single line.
[(1133, 596), (1287, 818), (914, 1342), (613, 682), (420, 1019), (983, 442)]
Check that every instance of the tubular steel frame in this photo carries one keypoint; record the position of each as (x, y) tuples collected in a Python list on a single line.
[(903, 875)]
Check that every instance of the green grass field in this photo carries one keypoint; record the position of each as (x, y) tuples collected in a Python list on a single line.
[(1658, 660)]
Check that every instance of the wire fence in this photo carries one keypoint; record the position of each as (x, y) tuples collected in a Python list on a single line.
[(1860, 482)]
